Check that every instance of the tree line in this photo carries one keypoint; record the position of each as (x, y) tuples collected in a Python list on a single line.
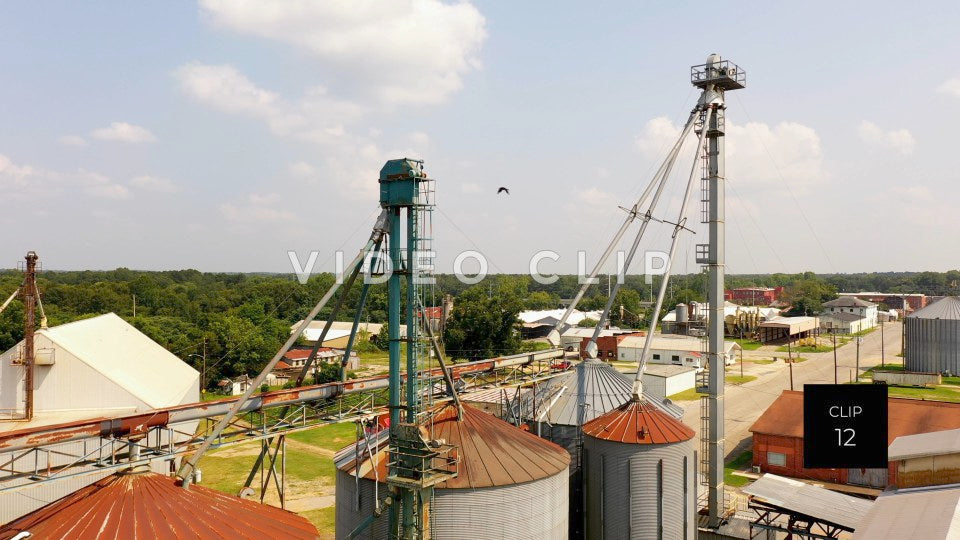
[(243, 319)]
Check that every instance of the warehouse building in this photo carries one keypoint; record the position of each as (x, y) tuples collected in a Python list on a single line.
[(672, 349), (933, 337), (92, 368), (927, 513), (786, 329), (778, 438), (926, 459)]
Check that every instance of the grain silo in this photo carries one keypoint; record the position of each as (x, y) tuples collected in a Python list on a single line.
[(933, 337), (510, 483), (639, 472), (141, 504), (567, 402)]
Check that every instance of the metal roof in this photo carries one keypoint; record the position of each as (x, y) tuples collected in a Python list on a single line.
[(794, 324), (945, 308), (638, 422), (671, 342), (149, 505), (491, 451), (936, 443), (848, 301), (904, 416), (809, 500), (588, 390), (123, 354), (927, 513)]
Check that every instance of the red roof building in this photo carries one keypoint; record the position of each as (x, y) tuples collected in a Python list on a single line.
[(778, 437), (145, 505)]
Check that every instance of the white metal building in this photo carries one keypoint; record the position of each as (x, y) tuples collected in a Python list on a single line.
[(666, 380), (92, 368), (672, 349), (852, 305)]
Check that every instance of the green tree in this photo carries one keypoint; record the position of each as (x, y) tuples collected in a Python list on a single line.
[(806, 296), (484, 323), (587, 323), (541, 300)]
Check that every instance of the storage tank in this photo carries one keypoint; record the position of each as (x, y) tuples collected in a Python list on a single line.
[(933, 337), (564, 404), (510, 483), (682, 313), (640, 475)]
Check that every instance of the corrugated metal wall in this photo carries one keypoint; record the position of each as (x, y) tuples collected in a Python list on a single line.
[(568, 437), (629, 485), (932, 345), (532, 510)]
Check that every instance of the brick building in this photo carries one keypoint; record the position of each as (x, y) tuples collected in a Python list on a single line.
[(778, 438), (753, 296)]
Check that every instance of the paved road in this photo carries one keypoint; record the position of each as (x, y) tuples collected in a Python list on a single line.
[(745, 403)]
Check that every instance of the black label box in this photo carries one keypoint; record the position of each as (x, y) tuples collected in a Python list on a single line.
[(844, 426)]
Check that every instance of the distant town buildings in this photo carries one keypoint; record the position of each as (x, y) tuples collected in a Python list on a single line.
[(670, 349), (902, 302), (753, 296), (539, 323), (848, 315)]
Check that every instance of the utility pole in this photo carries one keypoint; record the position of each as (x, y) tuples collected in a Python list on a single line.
[(30, 322), (834, 358), (203, 372), (791, 375), (134, 306), (741, 353), (883, 362), (790, 361), (858, 357)]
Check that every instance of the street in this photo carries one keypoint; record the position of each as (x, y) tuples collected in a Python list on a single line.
[(746, 402)]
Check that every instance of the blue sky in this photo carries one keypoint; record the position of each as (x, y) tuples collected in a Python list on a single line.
[(220, 136)]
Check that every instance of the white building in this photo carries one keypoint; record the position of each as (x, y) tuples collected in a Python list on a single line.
[(571, 338), (666, 380), (97, 367), (866, 313), (672, 349)]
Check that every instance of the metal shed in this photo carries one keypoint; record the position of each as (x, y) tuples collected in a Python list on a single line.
[(933, 337)]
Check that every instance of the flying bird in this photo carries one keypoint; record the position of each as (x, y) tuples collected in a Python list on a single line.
[(503, 190)]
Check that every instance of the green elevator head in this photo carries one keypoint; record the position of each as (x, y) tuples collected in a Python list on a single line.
[(398, 182)]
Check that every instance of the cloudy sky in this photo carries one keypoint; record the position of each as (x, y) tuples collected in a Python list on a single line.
[(221, 135)]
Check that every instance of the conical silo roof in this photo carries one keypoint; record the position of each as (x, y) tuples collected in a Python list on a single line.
[(146, 505), (638, 422), (588, 390), (947, 307), (491, 452)]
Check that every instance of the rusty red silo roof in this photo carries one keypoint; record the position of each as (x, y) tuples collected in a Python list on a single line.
[(142, 505), (638, 422), (491, 452)]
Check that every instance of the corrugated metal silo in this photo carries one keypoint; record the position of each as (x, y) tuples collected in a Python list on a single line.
[(568, 401), (510, 484), (639, 472), (933, 337)]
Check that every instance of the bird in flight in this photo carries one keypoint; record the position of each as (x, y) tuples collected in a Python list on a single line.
[(503, 190)]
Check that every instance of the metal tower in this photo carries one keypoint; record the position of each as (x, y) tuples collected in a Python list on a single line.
[(417, 463), (714, 77)]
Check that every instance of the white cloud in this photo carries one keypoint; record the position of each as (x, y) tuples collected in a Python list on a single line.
[(72, 140), (316, 117), (470, 187), (301, 169), (257, 209), (99, 185), (155, 183), (951, 87), (123, 132), (413, 51), (898, 140), (597, 198), (757, 154), (30, 182)]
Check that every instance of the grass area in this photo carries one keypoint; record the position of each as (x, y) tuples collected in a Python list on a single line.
[(738, 463), (748, 344), (324, 519), (737, 379), (796, 359), (687, 395), (331, 437), (937, 393), (865, 332), (534, 346), (758, 361)]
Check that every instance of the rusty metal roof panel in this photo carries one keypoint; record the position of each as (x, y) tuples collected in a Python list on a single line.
[(149, 505), (491, 451), (904, 416), (638, 422)]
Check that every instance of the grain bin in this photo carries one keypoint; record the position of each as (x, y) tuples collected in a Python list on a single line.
[(639, 472), (511, 484), (933, 337), (568, 401)]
